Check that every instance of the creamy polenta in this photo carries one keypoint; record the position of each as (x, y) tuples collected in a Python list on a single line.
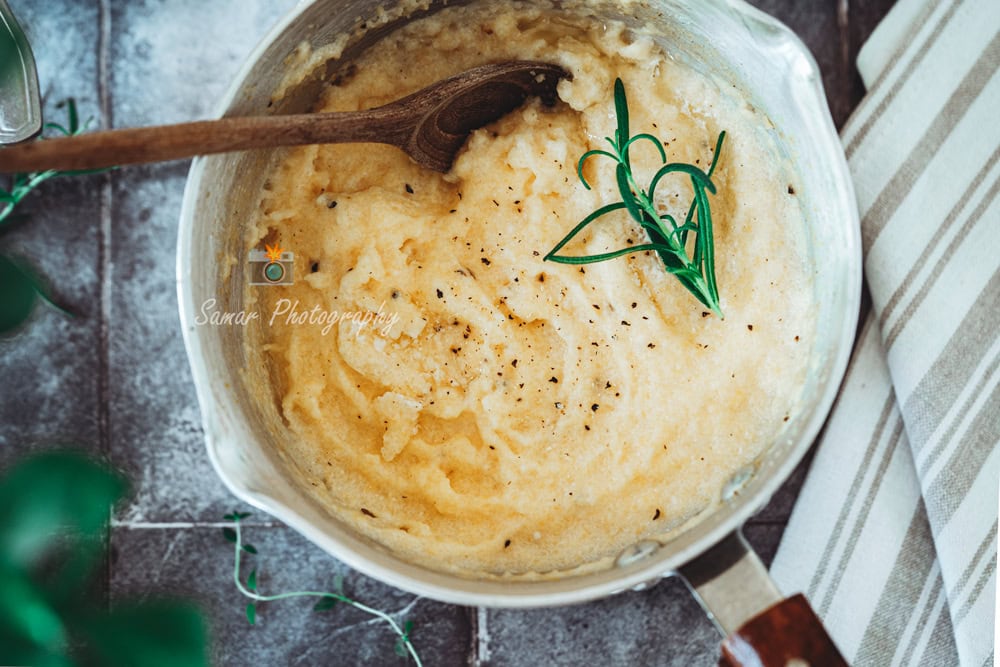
[(520, 416)]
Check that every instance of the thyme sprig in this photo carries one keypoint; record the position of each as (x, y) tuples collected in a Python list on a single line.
[(22, 184), (403, 645), (695, 271), (19, 282)]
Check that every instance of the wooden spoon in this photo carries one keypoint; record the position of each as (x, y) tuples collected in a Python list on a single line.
[(430, 125)]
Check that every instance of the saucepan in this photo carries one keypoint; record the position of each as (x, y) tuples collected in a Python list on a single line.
[(729, 38)]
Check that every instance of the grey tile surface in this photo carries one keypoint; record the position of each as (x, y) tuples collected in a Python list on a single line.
[(660, 626), (120, 384), (172, 60), (51, 365), (155, 426), (198, 564)]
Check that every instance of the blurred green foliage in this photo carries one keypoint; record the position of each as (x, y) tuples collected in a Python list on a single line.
[(54, 512)]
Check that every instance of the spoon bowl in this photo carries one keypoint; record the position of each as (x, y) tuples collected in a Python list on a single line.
[(431, 125)]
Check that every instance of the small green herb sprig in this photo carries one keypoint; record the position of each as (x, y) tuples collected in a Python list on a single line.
[(403, 645), (22, 184), (669, 239), (20, 283)]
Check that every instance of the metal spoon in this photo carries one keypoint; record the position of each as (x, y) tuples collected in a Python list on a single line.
[(430, 125), (20, 107)]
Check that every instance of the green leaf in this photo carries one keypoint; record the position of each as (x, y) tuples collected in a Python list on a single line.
[(58, 128), (229, 534), (718, 151), (71, 113), (647, 137), (26, 614), (586, 156), (327, 602), (707, 242), (580, 226), (407, 628), (19, 295), (229, 517), (399, 647), (252, 613), (242, 515), (48, 494), (614, 254), (621, 113), (252, 580), (694, 172), (151, 634), (250, 549), (628, 197)]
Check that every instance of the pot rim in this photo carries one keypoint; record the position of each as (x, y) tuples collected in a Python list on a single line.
[(567, 590)]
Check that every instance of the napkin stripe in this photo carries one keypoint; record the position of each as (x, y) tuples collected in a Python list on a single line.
[(892, 195), (936, 394), (852, 495), (860, 520), (953, 248), (951, 486), (970, 408), (977, 386), (984, 545), (984, 577), (932, 604), (872, 113), (920, 265), (941, 647), (915, 565)]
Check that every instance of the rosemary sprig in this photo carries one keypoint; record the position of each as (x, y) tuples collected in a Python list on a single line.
[(669, 239), (403, 645)]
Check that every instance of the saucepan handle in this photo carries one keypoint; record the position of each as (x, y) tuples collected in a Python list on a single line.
[(762, 629)]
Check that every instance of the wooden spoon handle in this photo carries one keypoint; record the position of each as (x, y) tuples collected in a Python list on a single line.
[(108, 148)]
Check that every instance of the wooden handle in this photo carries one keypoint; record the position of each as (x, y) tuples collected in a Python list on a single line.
[(761, 628), (788, 634), (108, 148)]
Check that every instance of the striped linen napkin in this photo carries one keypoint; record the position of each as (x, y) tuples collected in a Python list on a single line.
[(894, 537)]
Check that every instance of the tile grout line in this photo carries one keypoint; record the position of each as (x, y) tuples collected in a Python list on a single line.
[(481, 639), (104, 267)]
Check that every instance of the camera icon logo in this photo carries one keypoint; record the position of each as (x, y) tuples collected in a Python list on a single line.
[(272, 266)]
